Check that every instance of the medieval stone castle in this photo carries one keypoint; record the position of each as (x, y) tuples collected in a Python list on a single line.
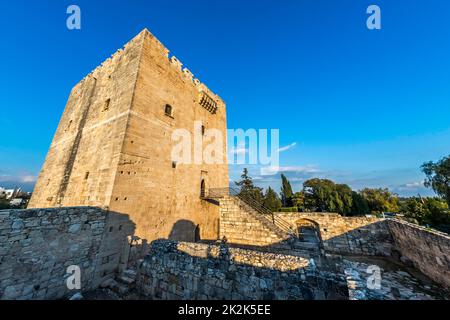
[(111, 201), (112, 148)]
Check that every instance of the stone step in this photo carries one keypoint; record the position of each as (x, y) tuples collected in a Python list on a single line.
[(126, 280), (306, 247), (121, 289), (130, 273)]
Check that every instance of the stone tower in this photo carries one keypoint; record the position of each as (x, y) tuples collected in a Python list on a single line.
[(112, 148)]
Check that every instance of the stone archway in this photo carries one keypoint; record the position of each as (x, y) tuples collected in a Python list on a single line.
[(308, 231)]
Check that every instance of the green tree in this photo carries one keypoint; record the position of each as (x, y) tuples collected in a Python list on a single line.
[(325, 195), (414, 209), (344, 199), (360, 205), (319, 194), (380, 200), (271, 200), (248, 189), (298, 200), (4, 204), (438, 215), (438, 177), (286, 191), (432, 212)]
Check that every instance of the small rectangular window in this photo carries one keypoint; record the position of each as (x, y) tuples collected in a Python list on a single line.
[(168, 110), (106, 105), (86, 176)]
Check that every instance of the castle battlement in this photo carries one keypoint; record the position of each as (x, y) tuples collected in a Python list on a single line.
[(184, 73)]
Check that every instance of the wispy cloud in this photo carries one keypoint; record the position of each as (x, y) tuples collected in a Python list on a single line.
[(289, 146), (240, 149), (26, 178), (271, 170), (413, 185), (22, 180)]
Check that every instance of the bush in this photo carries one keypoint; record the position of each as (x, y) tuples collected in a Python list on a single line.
[(289, 209), (432, 212)]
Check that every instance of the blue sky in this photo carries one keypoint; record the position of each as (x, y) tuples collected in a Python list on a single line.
[(358, 106)]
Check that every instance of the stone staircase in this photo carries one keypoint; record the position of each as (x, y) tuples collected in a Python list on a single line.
[(245, 222), (123, 284)]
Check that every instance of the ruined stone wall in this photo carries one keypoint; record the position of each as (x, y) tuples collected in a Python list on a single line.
[(428, 250), (239, 226), (37, 246), (177, 270), (347, 235)]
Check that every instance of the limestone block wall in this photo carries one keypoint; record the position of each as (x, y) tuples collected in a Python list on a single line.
[(113, 145), (178, 270), (37, 246), (81, 163), (352, 235), (241, 227), (163, 197), (428, 250)]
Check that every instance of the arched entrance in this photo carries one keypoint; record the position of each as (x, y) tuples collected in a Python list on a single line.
[(308, 231)]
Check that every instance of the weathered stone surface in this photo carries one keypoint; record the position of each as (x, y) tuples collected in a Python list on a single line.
[(113, 146), (36, 251), (354, 235), (179, 270), (427, 250)]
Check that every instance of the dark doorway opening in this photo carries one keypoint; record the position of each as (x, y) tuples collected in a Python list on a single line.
[(202, 189), (197, 234)]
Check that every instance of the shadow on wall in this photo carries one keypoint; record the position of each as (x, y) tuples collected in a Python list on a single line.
[(185, 230), (232, 271), (38, 245), (193, 271), (373, 239)]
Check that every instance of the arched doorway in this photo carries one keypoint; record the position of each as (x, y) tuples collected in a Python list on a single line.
[(202, 189), (308, 231)]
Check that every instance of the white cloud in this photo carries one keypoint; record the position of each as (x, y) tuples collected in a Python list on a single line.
[(239, 150), (21, 178), (417, 184), (27, 179), (271, 170), (289, 146)]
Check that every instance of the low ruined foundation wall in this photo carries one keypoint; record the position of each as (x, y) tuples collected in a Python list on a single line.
[(181, 270), (37, 246), (428, 250), (347, 235)]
